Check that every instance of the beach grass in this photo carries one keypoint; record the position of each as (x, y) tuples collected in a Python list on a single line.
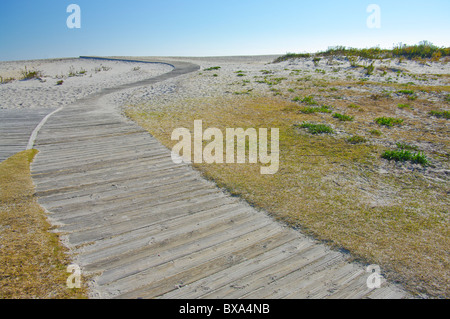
[(33, 261)]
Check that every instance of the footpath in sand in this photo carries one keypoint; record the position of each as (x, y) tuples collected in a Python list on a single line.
[(144, 227)]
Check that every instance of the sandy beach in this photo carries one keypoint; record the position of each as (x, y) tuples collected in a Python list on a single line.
[(80, 78)]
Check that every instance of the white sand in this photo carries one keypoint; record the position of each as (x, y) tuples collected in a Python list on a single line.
[(205, 84), (45, 93)]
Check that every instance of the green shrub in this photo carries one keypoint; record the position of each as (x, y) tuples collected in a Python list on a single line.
[(343, 117), (408, 92), (5, 80), (404, 146), (375, 132), (307, 99), (212, 68), (317, 128), (400, 155), (369, 69), (28, 75), (388, 121), (290, 56), (440, 114)]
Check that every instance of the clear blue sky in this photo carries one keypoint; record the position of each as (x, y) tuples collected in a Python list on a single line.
[(31, 29)]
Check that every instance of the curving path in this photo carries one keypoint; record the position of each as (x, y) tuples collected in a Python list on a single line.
[(145, 227)]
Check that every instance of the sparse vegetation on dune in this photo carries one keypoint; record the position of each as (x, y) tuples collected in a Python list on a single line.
[(424, 50), (28, 74), (6, 80)]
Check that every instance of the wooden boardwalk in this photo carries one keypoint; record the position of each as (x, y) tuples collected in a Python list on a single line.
[(148, 228), (16, 127)]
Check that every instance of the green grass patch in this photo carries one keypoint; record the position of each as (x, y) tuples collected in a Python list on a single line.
[(213, 68), (402, 155), (316, 128), (388, 121), (290, 56), (404, 146), (307, 99), (440, 114), (343, 117), (408, 92)]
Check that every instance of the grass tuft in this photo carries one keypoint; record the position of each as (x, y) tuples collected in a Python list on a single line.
[(343, 117), (213, 68), (440, 114), (402, 155), (317, 128), (28, 75), (388, 121)]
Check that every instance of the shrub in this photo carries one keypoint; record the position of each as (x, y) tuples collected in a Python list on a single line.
[(212, 68), (375, 132), (440, 114), (400, 155), (28, 75), (408, 92), (317, 128), (369, 69), (343, 117), (404, 146), (388, 121), (307, 99), (5, 80), (290, 56)]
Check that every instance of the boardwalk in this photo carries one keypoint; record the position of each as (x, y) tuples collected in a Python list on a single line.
[(145, 227), (16, 127)]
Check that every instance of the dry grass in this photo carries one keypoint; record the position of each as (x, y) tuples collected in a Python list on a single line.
[(341, 193), (33, 262)]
